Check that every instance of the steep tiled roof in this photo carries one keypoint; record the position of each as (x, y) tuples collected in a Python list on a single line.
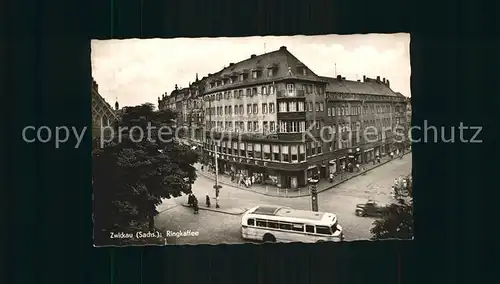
[(285, 64), (100, 108), (369, 87)]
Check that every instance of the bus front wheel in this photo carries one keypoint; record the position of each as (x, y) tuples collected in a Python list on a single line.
[(268, 238)]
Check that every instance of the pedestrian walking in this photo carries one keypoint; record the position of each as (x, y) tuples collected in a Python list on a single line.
[(190, 199), (195, 204), (331, 177)]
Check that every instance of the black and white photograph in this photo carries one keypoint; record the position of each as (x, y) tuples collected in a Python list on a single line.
[(251, 140)]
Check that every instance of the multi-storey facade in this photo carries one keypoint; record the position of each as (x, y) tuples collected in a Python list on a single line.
[(257, 111), (272, 115)]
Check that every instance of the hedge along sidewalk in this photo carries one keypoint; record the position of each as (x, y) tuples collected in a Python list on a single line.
[(301, 192)]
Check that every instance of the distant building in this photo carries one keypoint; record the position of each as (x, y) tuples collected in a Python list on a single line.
[(102, 113), (363, 116)]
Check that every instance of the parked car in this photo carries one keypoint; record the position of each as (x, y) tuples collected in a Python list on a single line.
[(370, 209)]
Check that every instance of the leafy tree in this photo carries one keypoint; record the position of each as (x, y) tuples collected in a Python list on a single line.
[(143, 164), (398, 222)]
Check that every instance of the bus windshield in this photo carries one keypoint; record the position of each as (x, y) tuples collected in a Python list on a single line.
[(334, 227)]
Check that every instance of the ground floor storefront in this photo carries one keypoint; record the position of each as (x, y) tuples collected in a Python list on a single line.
[(295, 175)]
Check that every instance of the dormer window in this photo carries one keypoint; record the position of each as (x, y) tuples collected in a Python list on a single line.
[(242, 77), (254, 74), (304, 71), (231, 80), (270, 72)]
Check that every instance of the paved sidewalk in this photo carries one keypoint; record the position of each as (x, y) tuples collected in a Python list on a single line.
[(270, 190), (230, 210)]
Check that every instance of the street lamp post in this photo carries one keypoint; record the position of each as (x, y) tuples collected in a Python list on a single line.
[(314, 193)]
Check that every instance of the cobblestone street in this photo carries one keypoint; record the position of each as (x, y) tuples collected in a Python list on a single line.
[(224, 226)]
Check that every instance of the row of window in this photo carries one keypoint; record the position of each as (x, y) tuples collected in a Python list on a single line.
[(265, 108), (297, 227), (256, 74), (264, 127), (291, 107), (237, 94), (265, 90), (284, 153), (319, 107), (356, 109), (285, 126), (240, 110), (242, 77), (276, 153), (286, 107)]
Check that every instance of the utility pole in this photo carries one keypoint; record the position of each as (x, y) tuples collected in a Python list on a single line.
[(216, 185)]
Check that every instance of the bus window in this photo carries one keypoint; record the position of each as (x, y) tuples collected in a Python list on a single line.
[(273, 225), (261, 223), (298, 227), (324, 230), (250, 222), (310, 229), (285, 226)]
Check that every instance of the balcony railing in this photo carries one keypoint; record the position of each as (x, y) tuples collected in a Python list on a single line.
[(287, 94)]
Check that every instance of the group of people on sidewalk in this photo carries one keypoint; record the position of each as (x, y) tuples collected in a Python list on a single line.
[(248, 181), (193, 202)]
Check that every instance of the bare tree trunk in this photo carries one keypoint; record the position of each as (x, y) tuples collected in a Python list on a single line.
[(151, 222)]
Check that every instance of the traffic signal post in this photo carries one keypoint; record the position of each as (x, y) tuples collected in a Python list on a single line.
[(312, 182)]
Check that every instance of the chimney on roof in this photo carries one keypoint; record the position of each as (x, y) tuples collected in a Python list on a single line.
[(283, 48), (383, 80), (176, 87), (358, 80), (387, 83), (343, 78), (231, 64), (253, 56), (364, 78), (378, 78), (339, 77)]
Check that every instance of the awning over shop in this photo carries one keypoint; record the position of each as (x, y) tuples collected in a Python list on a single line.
[(312, 167)]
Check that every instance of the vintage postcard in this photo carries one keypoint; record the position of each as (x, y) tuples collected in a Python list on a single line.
[(251, 140)]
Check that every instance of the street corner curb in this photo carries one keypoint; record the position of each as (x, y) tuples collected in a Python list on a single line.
[(239, 211)]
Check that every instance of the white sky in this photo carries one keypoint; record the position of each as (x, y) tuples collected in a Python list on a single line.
[(136, 71)]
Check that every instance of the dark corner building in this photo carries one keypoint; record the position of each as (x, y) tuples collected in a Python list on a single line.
[(268, 114), (103, 114)]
